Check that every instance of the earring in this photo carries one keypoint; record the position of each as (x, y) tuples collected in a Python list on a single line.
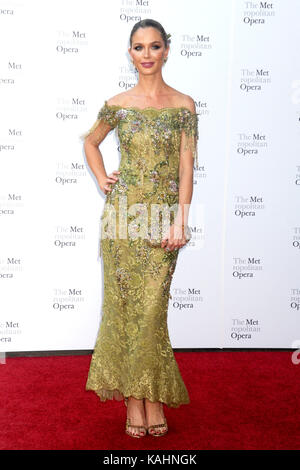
[(165, 59)]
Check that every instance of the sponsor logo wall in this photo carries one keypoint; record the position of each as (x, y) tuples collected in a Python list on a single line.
[(237, 282)]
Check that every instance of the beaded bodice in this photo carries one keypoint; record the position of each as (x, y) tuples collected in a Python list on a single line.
[(151, 140)]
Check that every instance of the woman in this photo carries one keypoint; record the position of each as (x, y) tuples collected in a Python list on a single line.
[(157, 129)]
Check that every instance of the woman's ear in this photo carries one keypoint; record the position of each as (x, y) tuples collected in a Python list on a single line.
[(167, 52)]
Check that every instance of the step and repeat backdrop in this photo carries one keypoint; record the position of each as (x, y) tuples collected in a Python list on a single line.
[(237, 282)]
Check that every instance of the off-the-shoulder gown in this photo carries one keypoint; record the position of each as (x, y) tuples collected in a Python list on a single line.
[(133, 355)]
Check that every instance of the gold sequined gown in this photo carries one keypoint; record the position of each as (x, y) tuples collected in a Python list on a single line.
[(133, 355)]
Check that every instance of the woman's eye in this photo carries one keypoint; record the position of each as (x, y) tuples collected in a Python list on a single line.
[(138, 48)]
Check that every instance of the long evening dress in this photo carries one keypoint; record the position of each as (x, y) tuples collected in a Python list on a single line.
[(133, 355)]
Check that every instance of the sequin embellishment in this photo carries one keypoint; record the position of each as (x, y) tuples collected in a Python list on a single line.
[(133, 354)]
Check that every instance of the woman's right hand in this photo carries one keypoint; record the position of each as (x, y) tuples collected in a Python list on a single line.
[(104, 183)]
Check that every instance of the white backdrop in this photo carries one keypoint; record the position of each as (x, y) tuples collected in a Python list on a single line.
[(237, 283)]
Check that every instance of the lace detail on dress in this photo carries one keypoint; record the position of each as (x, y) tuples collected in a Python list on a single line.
[(133, 355), (107, 120), (160, 123), (190, 133)]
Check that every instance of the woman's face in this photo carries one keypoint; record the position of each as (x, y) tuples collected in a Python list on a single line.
[(148, 50)]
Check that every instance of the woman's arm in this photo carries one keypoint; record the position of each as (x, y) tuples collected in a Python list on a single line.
[(95, 159), (186, 172), (176, 237)]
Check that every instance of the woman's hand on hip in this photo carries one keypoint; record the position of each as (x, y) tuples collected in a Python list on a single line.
[(106, 182)]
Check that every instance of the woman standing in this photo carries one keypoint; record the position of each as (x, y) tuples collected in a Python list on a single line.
[(157, 129)]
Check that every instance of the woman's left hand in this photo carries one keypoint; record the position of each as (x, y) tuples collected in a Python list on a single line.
[(174, 239)]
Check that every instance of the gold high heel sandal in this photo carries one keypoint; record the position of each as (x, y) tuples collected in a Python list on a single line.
[(135, 426), (154, 426), (164, 424)]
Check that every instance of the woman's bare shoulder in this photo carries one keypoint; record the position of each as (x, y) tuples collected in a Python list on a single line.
[(175, 98), (185, 101), (118, 100), (190, 104)]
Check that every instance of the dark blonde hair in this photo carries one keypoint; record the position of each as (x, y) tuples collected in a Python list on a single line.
[(153, 24)]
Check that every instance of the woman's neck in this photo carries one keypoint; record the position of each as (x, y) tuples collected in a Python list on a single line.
[(151, 86)]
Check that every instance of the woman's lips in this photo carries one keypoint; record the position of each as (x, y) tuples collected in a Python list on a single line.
[(147, 64)]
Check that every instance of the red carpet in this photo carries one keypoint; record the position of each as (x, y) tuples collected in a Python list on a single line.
[(239, 400)]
